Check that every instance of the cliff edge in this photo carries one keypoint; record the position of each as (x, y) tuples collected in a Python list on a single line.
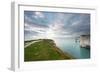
[(44, 49)]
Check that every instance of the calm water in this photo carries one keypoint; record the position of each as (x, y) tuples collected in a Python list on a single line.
[(73, 48)]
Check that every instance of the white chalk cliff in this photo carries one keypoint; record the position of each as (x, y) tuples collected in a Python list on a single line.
[(85, 41)]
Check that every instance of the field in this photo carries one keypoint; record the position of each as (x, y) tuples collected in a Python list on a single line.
[(43, 49)]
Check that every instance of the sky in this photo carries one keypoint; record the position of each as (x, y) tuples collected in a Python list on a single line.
[(55, 25)]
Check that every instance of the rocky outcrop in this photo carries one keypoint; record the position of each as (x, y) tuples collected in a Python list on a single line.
[(85, 41)]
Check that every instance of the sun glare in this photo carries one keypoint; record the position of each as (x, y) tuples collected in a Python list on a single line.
[(50, 34)]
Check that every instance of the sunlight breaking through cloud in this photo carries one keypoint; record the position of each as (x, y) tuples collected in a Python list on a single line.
[(54, 25)]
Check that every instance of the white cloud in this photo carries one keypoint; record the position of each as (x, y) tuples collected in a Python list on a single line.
[(63, 26), (26, 25), (40, 32), (36, 29), (56, 31), (76, 23), (39, 15), (28, 19)]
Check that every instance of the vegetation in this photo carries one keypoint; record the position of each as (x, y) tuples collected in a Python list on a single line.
[(44, 49)]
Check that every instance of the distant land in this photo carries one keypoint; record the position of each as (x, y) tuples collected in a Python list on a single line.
[(43, 49), (85, 41)]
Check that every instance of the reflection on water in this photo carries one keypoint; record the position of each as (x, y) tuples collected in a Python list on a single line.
[(73, 48)]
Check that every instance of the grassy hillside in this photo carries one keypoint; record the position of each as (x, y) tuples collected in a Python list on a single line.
[(44, 49)]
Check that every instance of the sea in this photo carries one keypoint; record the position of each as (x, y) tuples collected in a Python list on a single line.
[(72, 47)]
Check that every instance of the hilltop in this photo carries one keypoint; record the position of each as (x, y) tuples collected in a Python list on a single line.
[(43, 49)]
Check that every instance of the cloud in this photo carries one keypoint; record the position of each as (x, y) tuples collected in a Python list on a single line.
[(38, 15), (78, 24), (33, 31), (56, 25), (37, 18)]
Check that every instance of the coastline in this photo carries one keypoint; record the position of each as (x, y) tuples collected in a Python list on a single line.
[(47, 49)]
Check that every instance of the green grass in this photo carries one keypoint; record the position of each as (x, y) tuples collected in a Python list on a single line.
[(44, 50)]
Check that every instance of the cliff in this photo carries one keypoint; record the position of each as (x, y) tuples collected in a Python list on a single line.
[(85, 41), (44, 49)]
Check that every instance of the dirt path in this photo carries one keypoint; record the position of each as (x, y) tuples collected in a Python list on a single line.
[(31, 43)]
